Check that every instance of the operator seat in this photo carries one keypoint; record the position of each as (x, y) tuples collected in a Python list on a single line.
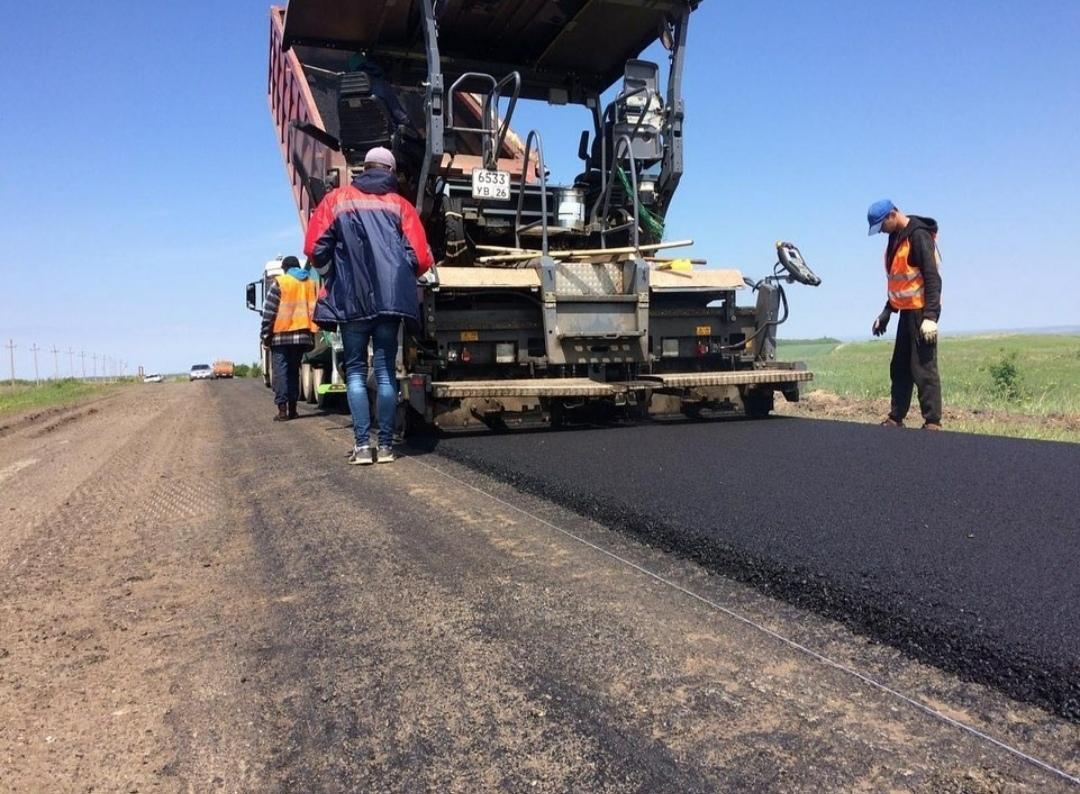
[(365, 120)]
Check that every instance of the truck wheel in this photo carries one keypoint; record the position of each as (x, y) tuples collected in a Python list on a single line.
[(757, 403), (316, 381), (305, 381)]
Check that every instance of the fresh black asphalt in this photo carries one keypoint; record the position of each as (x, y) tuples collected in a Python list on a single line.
[(962, 550)]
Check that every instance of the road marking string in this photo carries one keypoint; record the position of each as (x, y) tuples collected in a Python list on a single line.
[(866, 679)]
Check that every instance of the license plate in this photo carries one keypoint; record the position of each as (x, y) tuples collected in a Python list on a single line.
[(704, 330), (491, 185), (470, 336)]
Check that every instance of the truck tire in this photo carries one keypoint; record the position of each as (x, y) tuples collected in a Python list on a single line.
[(316, 380), (305, 382)]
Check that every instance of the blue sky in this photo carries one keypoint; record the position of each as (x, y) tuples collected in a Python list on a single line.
[(141, 187)]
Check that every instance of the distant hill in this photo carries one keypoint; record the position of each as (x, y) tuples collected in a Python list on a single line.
[(1055, 330), (1046, 330), (821, 340)]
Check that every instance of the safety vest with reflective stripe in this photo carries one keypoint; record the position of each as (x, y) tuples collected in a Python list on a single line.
[(296, 306), (906, 287)]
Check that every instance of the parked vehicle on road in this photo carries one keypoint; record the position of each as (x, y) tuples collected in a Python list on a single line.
[(223, 369), (201, 372), (155, 378)]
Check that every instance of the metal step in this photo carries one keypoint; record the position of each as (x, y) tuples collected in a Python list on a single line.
[(541, 387), (585, 387), (748, 377)]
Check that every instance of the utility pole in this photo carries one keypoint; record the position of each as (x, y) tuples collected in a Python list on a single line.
[(11, 352), (56, 361), (34, 349), (95, 358), (71, 361), (82, 360)]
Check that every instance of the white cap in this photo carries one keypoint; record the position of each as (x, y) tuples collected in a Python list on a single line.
[(381, 156)]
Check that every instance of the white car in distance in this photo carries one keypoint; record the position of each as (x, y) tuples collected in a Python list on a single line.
[(201, 372)]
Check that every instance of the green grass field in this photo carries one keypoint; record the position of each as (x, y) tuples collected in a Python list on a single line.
[(1033, 379), (26, 396)]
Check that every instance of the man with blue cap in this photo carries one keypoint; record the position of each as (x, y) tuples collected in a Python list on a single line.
[(912, 263)]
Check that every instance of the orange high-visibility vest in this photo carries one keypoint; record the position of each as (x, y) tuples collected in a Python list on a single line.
[(906, 287), (296, 306)]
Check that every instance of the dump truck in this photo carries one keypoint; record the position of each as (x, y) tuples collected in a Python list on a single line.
[(548, 303), (223, 369)]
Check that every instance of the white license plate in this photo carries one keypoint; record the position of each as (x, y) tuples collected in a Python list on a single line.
[(491, 185)]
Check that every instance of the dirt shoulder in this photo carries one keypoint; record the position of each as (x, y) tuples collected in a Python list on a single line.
[(114, 547), (821, 404)]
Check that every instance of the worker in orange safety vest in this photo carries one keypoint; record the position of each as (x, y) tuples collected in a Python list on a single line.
[(912, 270), (289, 332)]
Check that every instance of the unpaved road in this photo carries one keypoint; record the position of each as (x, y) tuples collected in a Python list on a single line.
[(193, 598)]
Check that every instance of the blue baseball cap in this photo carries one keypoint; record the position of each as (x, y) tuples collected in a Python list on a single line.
[(877, 214)]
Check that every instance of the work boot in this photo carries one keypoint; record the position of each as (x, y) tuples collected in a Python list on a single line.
[(386, 455), (282, 413), (931, 426), (890, 422), (361, 456), (292, 410)]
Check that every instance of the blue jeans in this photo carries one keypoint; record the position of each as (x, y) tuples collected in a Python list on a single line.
[(383, 334), (285, 375)]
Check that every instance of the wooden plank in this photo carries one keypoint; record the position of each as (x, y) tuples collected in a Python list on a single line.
[(488, 277), (695, 280), (583, 252)]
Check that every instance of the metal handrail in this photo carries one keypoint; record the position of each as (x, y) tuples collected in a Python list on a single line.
[(518, 228), (606, 197), (453, 93), (493, 108), (492, 137), (609, 111)]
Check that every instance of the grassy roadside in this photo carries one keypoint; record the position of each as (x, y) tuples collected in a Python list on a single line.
[(1011, 384), (25, 396)]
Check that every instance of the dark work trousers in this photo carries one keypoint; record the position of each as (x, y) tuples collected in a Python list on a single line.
[(285, 360), (914, 363)]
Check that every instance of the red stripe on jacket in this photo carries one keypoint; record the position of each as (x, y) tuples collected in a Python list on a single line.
[(351, 199)]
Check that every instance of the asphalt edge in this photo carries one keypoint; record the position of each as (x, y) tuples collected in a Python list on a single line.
[(977, 658)]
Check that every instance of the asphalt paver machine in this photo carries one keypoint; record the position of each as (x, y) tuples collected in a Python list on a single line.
[(548, 303)]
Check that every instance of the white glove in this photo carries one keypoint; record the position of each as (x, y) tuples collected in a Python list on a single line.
[(928, 329)]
